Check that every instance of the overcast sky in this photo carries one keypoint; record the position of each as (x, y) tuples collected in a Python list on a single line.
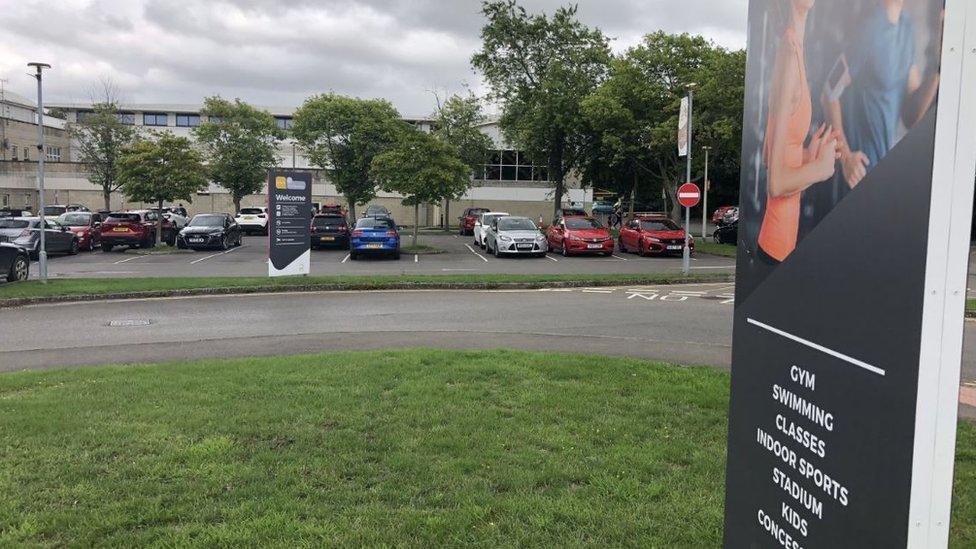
[(278, 52)]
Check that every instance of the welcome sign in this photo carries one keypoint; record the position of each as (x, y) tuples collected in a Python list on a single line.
[(289, 222)]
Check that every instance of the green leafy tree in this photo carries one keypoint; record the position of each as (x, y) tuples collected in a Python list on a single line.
[(240, 143), (342, 135), (458, 123), (540, 68), (423, 169), (159, 170), (101, 137)]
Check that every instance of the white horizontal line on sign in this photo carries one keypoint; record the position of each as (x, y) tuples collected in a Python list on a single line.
[(821, 348), (687, 195)]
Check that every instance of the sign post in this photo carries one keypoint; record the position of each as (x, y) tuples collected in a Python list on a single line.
[(847, 337), (688, 196), (289, 222)]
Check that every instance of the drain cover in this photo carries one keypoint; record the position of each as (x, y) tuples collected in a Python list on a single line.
[(129, 323)]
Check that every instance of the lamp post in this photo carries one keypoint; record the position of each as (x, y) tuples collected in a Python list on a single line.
[(686, 253), (707, 149), (42, 250)]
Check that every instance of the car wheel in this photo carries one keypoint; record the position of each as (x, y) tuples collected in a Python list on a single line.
[(224, 244), (565, 249), (20, 270), (240, 241), (620, 244), (106, 247), (73, 250), (498, 251), (353, 256), (396, 255)]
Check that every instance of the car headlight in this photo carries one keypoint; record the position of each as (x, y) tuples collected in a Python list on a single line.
[(652, 239), (505, 238), (574, 237), (540, 238)]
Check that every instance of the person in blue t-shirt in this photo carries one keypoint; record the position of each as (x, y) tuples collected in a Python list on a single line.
[(884, 87)]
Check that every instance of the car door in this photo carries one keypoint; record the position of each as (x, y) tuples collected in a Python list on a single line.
[(56, 239), (554, 235), (630, 234), (233, 229)]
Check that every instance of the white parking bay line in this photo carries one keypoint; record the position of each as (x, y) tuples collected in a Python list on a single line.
[(194, 262), (344, 259), (618, 257), (483, 258), (552, 258), (130, 259), (416, 258)]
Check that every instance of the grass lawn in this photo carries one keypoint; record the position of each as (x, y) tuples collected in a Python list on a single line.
[(421, 249), (714, 248), (102, 286), (970, 305), (411, 448)]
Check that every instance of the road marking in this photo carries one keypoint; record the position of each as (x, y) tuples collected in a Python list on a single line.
[(344, 259), (195, 261), (454, 270), (483, 258), (416, 258), (618, 257), (456, 236), (130, 259), (716, 267), (818, 347), (596, 291), (552, 258)]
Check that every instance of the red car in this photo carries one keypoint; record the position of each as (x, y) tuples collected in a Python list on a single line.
[(87, 226), (718, 214), (468, 218), (579, 235), (653, 235), (135, 229)]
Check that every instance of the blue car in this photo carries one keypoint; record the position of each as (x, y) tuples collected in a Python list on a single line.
[(375, 235)]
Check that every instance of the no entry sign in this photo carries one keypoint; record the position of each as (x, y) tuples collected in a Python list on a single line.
[(689, 195)]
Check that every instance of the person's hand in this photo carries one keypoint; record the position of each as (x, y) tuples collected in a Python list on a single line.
[(854, 166), (824, 150), (810, 151)]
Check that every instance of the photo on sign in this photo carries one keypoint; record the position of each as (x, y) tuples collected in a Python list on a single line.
[(843, 81)]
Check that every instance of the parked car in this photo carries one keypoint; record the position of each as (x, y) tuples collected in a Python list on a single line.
[(253, 220), (334, 209), (512, 235), (330, 230), (87, 226), (727, 233), (15, 212), (375, 210), (209, 231), (375, 235), (573, 212), (468, 219), (579, 235), (719, 214), (731, 216), (605, 207), (55, 210), (14, 262), (133, 229), (653, 235), (482, 224), (25, 233), (174, 216)]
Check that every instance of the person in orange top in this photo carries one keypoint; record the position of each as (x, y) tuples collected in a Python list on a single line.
[(792, 166)]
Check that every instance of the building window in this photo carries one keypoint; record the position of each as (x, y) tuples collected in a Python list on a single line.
[(512, 166), (154, 119), (126, 118), (6, 200), (14, 152), (53, 154), (283, 122), (188, 120), (26, 153)]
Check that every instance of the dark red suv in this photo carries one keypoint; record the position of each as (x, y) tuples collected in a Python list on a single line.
[(135, 229), (468, 219)]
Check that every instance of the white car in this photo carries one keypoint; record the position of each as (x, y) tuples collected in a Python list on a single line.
[(253, 220), (481, 226), (178, 220), (512, 235)]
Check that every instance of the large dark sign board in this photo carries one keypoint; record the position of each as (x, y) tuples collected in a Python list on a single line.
[(855, 206), (289, 222)]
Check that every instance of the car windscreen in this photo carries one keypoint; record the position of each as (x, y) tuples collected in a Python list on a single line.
[(207, 221), (252, 211), (582, 223), (474, 211), (516, 224), (374, 223), (659, 225), (14, 223), (123, 218), (574, 212), (328, 221), (376, 210), (75, 219), (54, 210)]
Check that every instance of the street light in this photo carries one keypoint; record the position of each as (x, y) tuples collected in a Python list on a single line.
[(686, 253), (42, 251), (707, 150)]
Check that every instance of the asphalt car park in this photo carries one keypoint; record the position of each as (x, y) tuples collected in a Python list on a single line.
[(460, 255)]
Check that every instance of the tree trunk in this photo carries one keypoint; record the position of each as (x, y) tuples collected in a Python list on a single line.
[(633, 198), (352, 211), (557, 162), (237, 204), (159, 223), (447, 215), (107, 197), (416, 223)]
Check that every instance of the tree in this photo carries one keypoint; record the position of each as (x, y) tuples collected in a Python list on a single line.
[(241, 145), (423, 169), (342, 135), (541, 68), (160, 170), (101, 136), (457, 123)]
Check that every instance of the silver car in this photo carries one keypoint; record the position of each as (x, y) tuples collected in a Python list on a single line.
[(515, 236), (481, 226)]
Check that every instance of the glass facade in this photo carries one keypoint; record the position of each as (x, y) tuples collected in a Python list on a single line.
[(155, 119), (188, 120), (508, 165)]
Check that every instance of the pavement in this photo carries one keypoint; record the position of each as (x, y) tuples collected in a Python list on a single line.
[(461, 257), (689, 325)]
